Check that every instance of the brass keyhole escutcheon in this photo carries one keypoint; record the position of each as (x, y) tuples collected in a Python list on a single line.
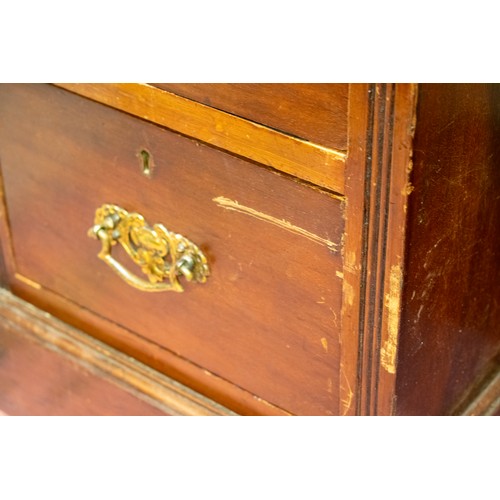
[(163, 256), (146, 162)]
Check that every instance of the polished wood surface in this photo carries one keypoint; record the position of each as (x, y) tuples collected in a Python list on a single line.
[(303, 159), (316, 112), (273, 301), (451, 315)]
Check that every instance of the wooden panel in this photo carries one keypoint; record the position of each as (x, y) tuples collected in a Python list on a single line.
[(147, 352), (37, 381), (78, 374), (451, 318), (267, 318), (305, 160), (316, 112)]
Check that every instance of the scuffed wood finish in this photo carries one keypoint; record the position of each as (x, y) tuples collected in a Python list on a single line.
[(381, 127), (266, 320), (305, 160), (316, 112), (90, 377), (451, 315), (382, 300)]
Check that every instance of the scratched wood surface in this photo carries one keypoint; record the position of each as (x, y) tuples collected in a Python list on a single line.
[(451, 316), (377, 174), (267, 321), (262, 336), (316, 112)]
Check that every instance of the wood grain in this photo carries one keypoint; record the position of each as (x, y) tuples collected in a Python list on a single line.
[(451, 316), (35, 380), (305, 160), (316, 112), (411, 269), (147, 352), (80, 369), (267, 318), (377, 174)]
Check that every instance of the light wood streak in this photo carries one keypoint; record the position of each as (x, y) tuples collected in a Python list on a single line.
[(27, 281), (283, 224)]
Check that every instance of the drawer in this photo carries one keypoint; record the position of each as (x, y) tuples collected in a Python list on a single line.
[(266, 320), (309, 161), (316, 112)]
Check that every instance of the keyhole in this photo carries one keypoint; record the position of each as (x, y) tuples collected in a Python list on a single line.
[(146, 162)]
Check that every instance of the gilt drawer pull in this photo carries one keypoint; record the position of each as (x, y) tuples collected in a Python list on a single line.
[(163, 256)]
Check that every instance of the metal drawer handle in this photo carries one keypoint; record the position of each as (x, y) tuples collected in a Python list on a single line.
[(163, 256)]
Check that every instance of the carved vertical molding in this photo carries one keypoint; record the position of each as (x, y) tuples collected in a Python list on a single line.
[(381, 124)]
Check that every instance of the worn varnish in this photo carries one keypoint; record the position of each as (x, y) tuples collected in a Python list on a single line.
[(316, 112), (377, 175), (450, 326), (273, 299), (378, 295)]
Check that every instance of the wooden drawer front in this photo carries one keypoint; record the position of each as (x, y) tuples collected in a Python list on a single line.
[(267, 319), (316, 112), (298, 157)]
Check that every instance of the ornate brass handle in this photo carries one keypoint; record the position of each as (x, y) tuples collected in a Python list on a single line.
[(163, 256)]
